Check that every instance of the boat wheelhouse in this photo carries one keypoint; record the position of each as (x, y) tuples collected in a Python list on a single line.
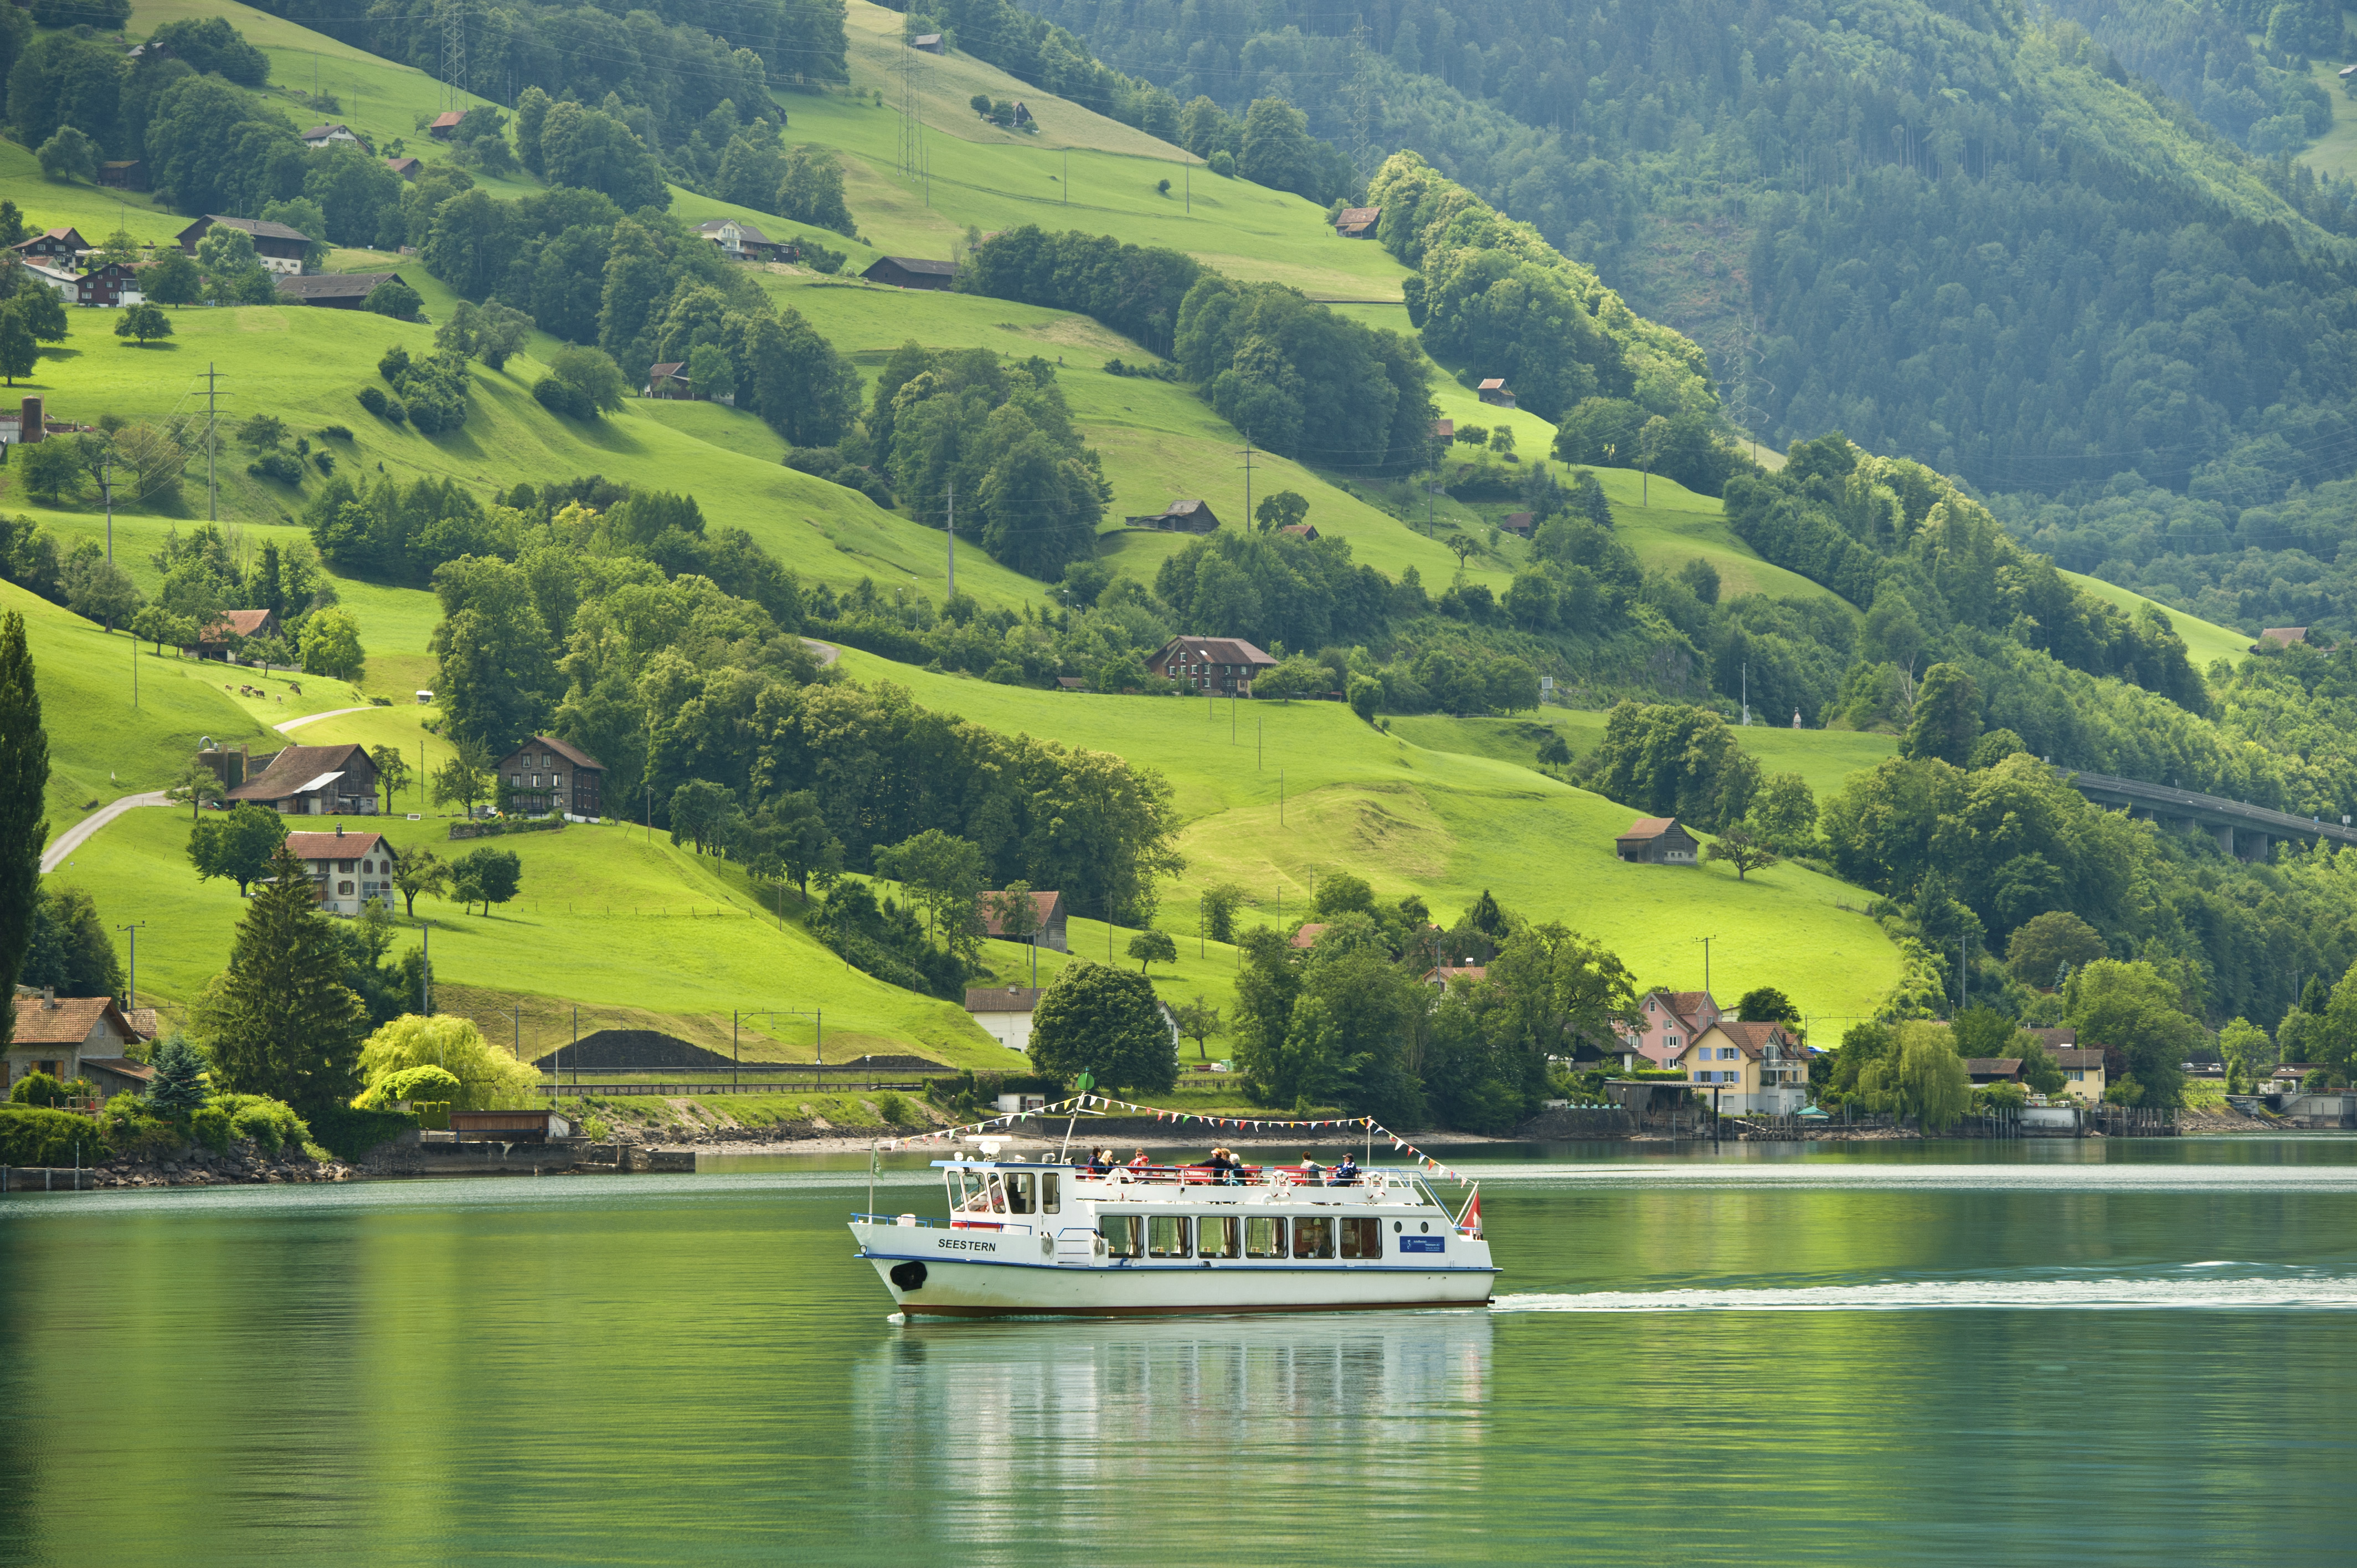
[(1032, 1238)]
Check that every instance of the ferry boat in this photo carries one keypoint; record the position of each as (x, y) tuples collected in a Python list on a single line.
[(1035, 1237)]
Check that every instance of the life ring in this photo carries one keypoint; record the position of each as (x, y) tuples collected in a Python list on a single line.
[(1047, 1246)]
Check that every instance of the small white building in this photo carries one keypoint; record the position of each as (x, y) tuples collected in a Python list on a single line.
[(326, 136), (1005, 1013), (347, 869)]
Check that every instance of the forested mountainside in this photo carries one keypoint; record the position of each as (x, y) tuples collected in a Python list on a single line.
[(2241, 65), (1967, 238)]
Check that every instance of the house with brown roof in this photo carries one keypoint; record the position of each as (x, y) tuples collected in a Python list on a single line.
[(1493, 392), (313, 781), (1048, 915), (1305, 532), (1666, 1022), (1444, 430), (279, 247), (123, 174), (1519, 523), (69, 1038), (1656, 841), (347, 869), (60, 247), (2280, 636), (913, 271), (2083, 1067), (444, 123), (548, 775), (1358, 222), (1985, 1071), (1456, 974), (1181, 517), (230, 628), (406, 167), (1746, 1069), (1225, 665), (1005, 1013), (1307, 937)]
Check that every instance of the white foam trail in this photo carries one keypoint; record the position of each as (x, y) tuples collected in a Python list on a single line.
[(2320, 1294)]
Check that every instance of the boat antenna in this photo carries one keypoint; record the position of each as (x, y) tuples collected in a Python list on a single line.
[(875, 1160)]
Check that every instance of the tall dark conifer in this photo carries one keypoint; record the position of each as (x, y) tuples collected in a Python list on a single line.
[(23, 774), (280, 1019)]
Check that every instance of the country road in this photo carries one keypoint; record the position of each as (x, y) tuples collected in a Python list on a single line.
[(74, 837)]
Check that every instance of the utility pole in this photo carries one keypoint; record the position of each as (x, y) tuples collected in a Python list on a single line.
[(106, 488), (1248, 474), (212, 490), (1747, 693), (131, 990), (426, 972), (1706, 942), (135, 672), (1067, 181), (952, 533)]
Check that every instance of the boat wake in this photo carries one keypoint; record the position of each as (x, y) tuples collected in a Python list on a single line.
[(2208, 1292)]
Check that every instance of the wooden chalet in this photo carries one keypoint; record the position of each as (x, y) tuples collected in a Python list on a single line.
[(1657, 840), (1358, 222), (279, 247), (1225, 665), (913, 271), (310, 781), (1493, 392), (546, 775), (1180, 517), (336, 291)]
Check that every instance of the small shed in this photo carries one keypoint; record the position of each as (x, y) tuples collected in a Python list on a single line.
[(406, 167), (913, 271), (1451, 974), (1181, 517), (667, 382), (2281, 636), (1070, 683), (928, 42), (1518, 522), (1305, 532), (1358, 222), (1444, 430), (1994, 1070), (509, 1126), (1493, 392), (1656, 841), (444, 124), (125, 174)]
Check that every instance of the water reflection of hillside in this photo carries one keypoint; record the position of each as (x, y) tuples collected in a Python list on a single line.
[(1069, 1430)]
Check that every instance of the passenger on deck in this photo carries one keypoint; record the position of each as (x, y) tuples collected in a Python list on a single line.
[(1346, 1171), (1312, 1173), (1138, 1162), (1099, 1162), (1226, 1163)]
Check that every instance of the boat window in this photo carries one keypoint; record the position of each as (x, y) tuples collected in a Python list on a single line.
[(1019, 1184), (1363, 1238), (1219, 1236), (1264, 1236), (1313, 1236), (1124, 1235), (1048, 1199), (1166, 1235)]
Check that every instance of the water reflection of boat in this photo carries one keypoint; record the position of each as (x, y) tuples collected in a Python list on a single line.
[(1164, 1413), (1028, 1237)]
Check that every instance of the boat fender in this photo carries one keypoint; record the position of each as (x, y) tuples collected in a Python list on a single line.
[(1047, 1246), (911, 1275)]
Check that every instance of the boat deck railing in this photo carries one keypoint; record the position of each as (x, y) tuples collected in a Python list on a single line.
[(1200, 1175)]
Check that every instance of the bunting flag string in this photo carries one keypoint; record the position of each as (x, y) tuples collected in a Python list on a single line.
[(1087, 1101)]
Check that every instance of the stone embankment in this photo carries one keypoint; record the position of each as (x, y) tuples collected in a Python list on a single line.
[(242, 1165)]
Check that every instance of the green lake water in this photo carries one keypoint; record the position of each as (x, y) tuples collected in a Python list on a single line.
[(2081, 1352)]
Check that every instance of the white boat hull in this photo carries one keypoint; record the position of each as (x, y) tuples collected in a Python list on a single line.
[(1021, 1274)]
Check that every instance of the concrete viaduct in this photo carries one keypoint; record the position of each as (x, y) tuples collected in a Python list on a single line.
[(2249, 832)]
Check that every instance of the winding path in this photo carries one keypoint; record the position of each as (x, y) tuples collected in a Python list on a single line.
[(292, 725), (827, 652), (74, 837)]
